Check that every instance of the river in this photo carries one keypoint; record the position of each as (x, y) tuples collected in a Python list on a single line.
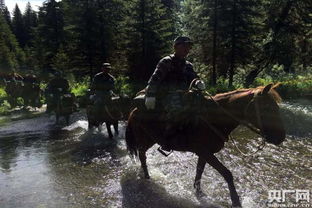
[(43, 165)]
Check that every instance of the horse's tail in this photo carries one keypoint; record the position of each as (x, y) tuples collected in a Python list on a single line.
[(130, 139)]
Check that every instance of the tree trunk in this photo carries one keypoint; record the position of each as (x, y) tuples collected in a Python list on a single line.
[(232, 63), (214, 48)]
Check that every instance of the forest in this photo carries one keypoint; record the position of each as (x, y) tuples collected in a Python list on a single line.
[(237, 43)]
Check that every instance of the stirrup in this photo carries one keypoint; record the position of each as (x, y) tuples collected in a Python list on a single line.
[(163, 152)]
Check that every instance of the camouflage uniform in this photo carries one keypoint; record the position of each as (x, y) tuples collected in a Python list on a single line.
[(53, 89), (171, 75), (102, 88), (168, 83)]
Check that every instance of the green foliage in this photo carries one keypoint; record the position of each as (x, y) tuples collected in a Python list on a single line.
[(11, 56), (61, 61), (18, 26), (233, 40), (30, 20), (123, 86), (4, 105), (221, 86), (226, 33), (49, 33), (80, 88), (2, 94), (150, 34)]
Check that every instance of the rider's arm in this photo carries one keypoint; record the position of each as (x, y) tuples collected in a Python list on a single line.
[(158, 76), (191, 74)]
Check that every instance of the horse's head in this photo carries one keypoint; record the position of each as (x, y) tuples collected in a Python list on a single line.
[(263, 112)]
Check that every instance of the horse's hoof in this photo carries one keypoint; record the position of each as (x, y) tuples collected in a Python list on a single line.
[(147, 177)]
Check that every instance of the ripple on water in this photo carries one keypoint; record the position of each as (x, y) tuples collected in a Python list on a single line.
[(72, 167)]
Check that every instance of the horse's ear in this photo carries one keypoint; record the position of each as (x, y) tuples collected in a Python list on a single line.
[(266, 89)]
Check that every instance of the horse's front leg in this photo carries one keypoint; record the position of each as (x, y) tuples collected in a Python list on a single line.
[(227, 175), (142, 156), (109, 131), (115, 124), (199, 171)]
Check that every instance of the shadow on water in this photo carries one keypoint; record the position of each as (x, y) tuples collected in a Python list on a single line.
[(8, 153), (142, 193), (96, 145)]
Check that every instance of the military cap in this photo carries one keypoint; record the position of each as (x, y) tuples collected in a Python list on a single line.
[(182, 39), (106, 65)]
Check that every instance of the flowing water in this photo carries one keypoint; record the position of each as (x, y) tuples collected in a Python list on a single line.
[(43, 165)]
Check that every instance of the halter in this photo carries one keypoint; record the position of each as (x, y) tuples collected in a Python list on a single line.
[(242, 122)]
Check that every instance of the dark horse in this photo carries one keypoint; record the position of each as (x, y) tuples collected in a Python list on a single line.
[(257, 107), (110, 114)]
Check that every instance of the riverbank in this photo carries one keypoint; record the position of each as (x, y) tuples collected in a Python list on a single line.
[(20, 113)]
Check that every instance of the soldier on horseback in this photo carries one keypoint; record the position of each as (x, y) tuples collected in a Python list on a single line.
[(102, 87), (56, 87), (165, 88)]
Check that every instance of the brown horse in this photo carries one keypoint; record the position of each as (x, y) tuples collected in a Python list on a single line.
[(218, 117)]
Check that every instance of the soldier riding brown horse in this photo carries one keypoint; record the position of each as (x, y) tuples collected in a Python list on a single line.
[(104, 106), (210, 127)]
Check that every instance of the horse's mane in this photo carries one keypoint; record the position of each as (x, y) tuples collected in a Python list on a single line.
[(243, 92)]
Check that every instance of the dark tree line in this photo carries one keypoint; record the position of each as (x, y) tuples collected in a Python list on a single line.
[(250, 36), (232, 37)]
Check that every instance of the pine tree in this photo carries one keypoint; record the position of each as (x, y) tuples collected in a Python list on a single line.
[(225, 32), (288, 25), (93, 33), (11, 56), (200, 22), (49, 33), (18, 26), (150, 37), (7, 16), (30, 23)]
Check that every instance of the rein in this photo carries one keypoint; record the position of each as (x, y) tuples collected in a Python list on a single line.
[(243, 122)]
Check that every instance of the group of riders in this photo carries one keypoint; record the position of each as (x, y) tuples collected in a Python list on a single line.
[(172, 76), (27, 87)]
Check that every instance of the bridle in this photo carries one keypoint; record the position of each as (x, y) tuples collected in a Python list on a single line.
[(242, 122)]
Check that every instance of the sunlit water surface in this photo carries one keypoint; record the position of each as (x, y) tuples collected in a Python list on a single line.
[(43, 165)]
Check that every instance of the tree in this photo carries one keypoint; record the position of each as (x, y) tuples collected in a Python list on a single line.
[(18, 26), (49, 33), (30, 23), (150, 34), (7, 16), (11, 56), (226, 32), (93, 33), (287, 24)]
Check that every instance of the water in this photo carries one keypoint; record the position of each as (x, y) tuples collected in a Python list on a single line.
[(42, 165)]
